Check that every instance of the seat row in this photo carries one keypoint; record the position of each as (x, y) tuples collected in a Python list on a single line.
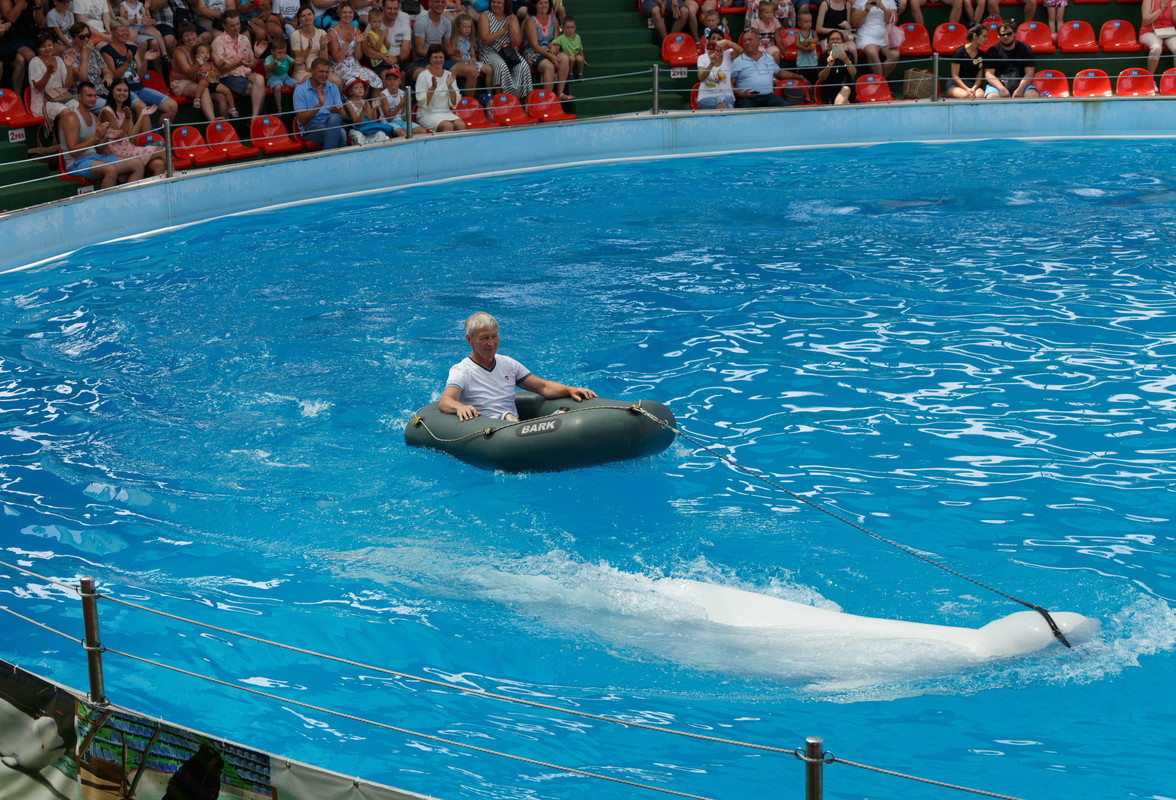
[(1075, 36)]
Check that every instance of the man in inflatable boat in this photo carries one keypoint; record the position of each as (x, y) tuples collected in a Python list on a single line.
[(483, 383)]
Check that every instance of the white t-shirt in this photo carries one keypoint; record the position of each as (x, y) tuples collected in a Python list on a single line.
[(491, 391), (286, 9), (873, 30), (398, 32), (718, 82), (92, 10)]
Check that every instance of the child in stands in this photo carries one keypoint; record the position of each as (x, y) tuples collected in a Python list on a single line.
[(768, 27), (569, 43), (277, 70), (806, 47), (390, 104), (358, 113), (208, 78), (465, 46)]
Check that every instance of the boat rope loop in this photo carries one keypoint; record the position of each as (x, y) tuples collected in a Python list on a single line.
[(419, 422), (1053, 626)]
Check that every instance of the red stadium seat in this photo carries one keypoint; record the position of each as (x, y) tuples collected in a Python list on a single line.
[(221, 136), (1092, 83), (1118, 36), (544, 106), (271, 136), (14, 114), (679, 50), (1168, 82), (917, 43), (949, 37), (795, 83), (694, 97), (1135, 82), (473, 115), (189, 144), (872, 88), (67, 176), (1051, 83), (153, 80), (788, 37), (505, 109), (993, 26), (1037, 35), (1077, 36)]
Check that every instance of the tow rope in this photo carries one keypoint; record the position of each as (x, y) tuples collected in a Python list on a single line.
[(1053, 626)]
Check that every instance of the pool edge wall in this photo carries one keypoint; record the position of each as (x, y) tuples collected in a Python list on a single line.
[(35, 235)]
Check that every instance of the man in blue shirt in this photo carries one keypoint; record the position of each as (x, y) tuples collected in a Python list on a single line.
[(755, 74), (318, 108)]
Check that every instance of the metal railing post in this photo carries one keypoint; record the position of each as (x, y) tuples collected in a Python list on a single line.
[(813, 768), (92, 644), (169, 168), (656, 90), (934, 77), (408, 98)]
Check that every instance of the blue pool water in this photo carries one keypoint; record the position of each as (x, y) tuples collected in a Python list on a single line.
[(965, 348)]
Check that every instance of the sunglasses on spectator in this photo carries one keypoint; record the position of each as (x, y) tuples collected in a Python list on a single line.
[(1007, 33)]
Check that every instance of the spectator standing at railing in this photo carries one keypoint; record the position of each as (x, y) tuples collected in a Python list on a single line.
[(318, 108), (870, 19), (234, 56), (1157, 30), (754, 75), (80, 134), (49, 79), (498, 31), (19, 42), (714, 72), (1009, 66), (86, 62), (683, 13)]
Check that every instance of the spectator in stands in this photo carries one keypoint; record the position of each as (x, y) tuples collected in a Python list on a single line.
[(124, 60), (399, 38), (86, 62), (96, 14), (80, 133), (465, 43), (834, 15), (436, 28), (768, 28), (870, 19), (373, 44), (714, 72), (57, 22), (967, 66), (391, 104), (277, 71), (839, 75), (500, 37), (49, 80), (234, 56), (783, 10), (306, 44), (682, 12), (539, 31), (118, 116), (287, 12), (1156, 30), (570, 44), (164, 13), (343, 44), (209, 14), (143, 30), (436, 89), (184, 80), (711, 21), (807, 57), (754, 74), (318, 107), (264, 24), (1009, 66), (19, 43)]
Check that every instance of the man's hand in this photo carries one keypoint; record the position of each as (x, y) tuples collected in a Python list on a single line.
[(465, 412)]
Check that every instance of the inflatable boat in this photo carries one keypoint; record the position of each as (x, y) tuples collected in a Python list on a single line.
[(549, 434)]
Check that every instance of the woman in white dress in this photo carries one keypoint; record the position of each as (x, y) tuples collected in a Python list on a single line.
[(436, 91)]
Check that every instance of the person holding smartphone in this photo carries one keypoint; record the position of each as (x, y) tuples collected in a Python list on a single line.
[(839, 75), (870, 19)]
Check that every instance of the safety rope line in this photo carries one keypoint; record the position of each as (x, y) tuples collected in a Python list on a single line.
[(53, 581), (42, 625), (443, 684), (1061, 637), (408, 732), (829, 758), (488, 432)]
